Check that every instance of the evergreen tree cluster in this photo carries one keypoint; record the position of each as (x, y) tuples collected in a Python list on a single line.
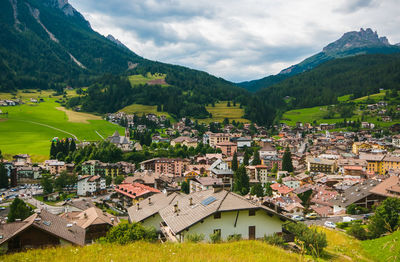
[(241, 181), (62, 148)]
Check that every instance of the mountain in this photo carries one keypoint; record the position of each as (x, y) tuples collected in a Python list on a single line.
[(354, 75), (350, 44), (116, 41)]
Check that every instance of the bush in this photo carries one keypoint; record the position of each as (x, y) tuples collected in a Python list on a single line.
[(342, 225), (194, 238), (234, 237), (274, 239), (215, 237), (125, 233), (313, 241), (356, 230), (354, 209), (386, 217)]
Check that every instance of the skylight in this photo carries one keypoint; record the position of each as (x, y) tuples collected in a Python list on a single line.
[(208, 200)]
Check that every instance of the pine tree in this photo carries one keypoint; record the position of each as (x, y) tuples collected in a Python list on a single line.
[(3, 175), (53, 150), (246, 158), (234, 162), (241, 181), (185, 187), (18, 210), (256, 158), (72, 146), (287, 164)]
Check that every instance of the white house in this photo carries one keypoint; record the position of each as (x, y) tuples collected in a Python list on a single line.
[(243, 141), (267, 150), (90, 185), (291, 182), (207, 212)]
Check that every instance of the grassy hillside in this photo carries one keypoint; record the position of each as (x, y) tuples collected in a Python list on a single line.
[(385, 248), (222, 111), (340, 248), (29, 128), (143, 109), (148, 79)]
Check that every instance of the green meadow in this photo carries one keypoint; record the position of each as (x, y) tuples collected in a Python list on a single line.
[(141, 80), (143, 109), (29, 128), (222, 111)]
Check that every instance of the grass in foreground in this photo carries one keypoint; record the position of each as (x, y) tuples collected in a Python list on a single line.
[(384, 249), (141, 251)]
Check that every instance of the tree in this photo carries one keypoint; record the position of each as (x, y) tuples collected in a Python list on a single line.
[(47, 184), (287, 164), (234, 162), (118, 180), (241, 181), (185, 187), (3, 175), (257, 190), (274, 169), (72, 145), (228, 104), (246, 158), (18, 210), (53, 150), (268, 189), (386, 217), (125, 233), (108, 180), (256, 158)]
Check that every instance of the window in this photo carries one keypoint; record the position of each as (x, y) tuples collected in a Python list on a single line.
[(217, 215), (252, 212)]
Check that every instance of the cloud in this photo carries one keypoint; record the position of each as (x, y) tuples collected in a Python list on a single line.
[(237, 40)]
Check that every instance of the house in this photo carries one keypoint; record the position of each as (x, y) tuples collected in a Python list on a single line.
[(218, 211), (205, 183), (359, 195), (243, 142), (374, 162), (216, 138), (389, 187), (228, 148), (291, 182), (22, 159), (146, 211), (40, 230), (122, 142), (54, 166), (294, 208), (184, 141), (320, 165), (128, 193), (271, 161), (175, 166), (220, 169), (261, 173), (77, 205), (94, 221), (91, 185), (280, 190), (267, 150)]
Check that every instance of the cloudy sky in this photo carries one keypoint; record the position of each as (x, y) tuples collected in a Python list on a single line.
[(237, 40)]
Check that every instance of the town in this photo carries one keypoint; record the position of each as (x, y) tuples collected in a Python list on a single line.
[(185, 180)]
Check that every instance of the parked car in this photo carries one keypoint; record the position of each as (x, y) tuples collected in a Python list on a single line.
[(312, 216), (298, 218), (366, 216), (348, 219), (329, 224)]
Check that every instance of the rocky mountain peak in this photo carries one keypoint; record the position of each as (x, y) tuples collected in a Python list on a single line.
[(355, 39), (116, 41)]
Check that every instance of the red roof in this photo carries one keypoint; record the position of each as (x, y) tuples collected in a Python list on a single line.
[(353, 168), (135, 190), (282, 189)]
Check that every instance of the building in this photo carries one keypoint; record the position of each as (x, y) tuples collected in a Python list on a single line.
[(184, 141), (390, 163), (228, 148), (56, 167), (129, 193), (374, 162), (205, 183), (40, 230), (321, 165), (220, 169), (261, 173), (271, 161), (175, 166), (291, 182), (267, 150), (77, 205), (121, 142), (95, 167), (243, 142), (213, 211), (94, 221), (390, 187), (280, 190), (91, 185), (216, 138)]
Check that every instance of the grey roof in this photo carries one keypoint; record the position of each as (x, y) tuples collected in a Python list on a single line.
[(146, 209), (80, 204), (355, 193), (47, 222), (189, 215)]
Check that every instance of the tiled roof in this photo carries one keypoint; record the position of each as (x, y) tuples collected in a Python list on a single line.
[(135, 190)]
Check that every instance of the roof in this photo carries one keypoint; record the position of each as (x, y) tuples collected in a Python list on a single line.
[(151, 206), (267, 147), (204, 204), (320, 161), (47, 222), (354, 193), (80, 204), (282, 189), (371, 157), (390, 187), (92, 216), (208, 181), (135, 190)]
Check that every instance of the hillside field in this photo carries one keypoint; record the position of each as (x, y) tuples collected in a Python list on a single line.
[(148, 79), (384, 249), (222, 111), (29, 128)]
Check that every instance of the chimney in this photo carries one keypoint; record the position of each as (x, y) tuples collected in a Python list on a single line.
[(137, 206), (149, 200), (176, 210), (190, 201)]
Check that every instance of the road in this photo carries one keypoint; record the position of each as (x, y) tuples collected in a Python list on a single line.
[(336, 219)]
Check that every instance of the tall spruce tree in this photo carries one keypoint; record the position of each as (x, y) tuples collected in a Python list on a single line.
[(287, 164), (256, 158), (234, 162), (246, 158), (3, 175), (72, 145), (241, 181), (53, 150), (18, 210)]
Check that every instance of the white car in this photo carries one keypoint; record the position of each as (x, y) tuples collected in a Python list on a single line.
[(330, 224), (298, 218)]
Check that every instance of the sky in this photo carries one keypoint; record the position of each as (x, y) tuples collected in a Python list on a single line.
[(236, 40)]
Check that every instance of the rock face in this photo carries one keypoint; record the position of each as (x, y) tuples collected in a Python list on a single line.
[(357, 39), (116, 41)]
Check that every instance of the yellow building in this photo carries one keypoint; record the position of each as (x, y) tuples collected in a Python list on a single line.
[(390, 163), (374, 162), (360, 145)]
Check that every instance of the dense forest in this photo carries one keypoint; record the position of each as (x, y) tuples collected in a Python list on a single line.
[(359, 75)]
